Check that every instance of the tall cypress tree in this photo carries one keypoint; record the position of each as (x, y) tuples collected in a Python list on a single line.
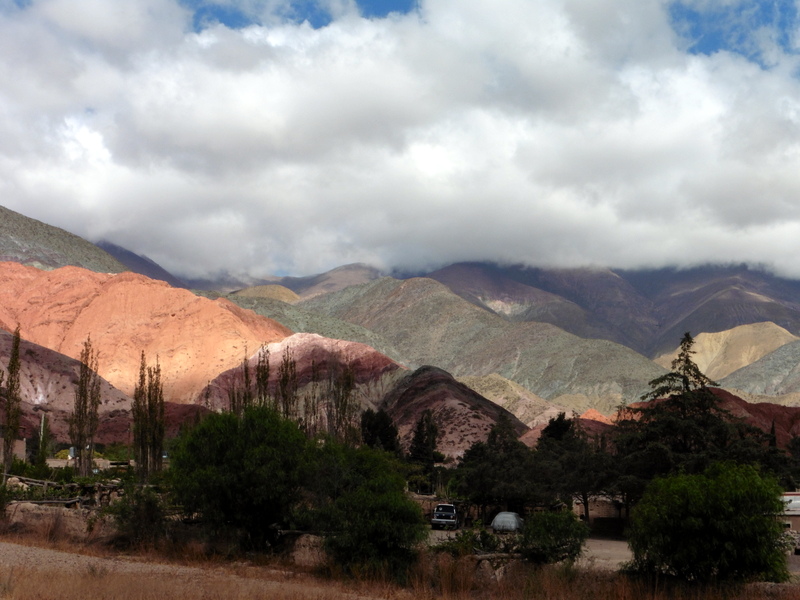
[(12, 405)]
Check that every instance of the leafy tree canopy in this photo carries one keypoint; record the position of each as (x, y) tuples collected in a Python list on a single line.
[(682, 427), (378, 431), (499, 471), (570, 465), (718, 525), (240, 472), (359, 499)]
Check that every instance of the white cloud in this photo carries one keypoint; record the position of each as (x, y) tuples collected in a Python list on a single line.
[(557, 132)]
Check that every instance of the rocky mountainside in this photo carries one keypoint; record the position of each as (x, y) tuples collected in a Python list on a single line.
[(302, 320), (193, 338), (775, 374), (31, 242), (140, 264), (315, 358), (713, 299), (590, 303), (646, 310), (529, 408), (462, 415), (47, 385), (268, 292), (430, 324), (720, 354), (328, 282)]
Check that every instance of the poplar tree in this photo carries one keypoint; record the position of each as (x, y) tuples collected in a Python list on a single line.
[(84, 418), (262, 377), (12, 405), (241, 398), (342, 405), (148, 420), (286, 389)]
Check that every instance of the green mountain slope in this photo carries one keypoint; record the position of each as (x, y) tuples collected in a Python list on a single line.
[(301, 320), (36, 244), (431, 325)]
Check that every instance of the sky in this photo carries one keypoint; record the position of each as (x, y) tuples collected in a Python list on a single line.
[(271, 137)]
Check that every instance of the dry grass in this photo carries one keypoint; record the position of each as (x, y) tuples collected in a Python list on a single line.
[(446, 578), (187, 571), (101, 584)]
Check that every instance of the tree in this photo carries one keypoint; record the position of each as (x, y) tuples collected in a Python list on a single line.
[(423, 443), (549, 537), (286, 388), (84, 418), (378, 431), (44, 443), (682, 427), (148, 420), (685, 377), (242, 474), (570, 465), (341, 407), (359, 498), (721, 524), (262, 377), (12, 409), (497, 472), (312, 420), (241, 398)]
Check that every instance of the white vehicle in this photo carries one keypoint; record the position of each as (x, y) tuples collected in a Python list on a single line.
[(507, 522)]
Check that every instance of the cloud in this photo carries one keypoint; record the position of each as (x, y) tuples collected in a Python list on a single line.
[(558, 132)]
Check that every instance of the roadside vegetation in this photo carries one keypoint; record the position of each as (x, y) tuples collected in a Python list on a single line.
[(699, 489)]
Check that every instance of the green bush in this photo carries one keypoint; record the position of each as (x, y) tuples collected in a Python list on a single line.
[(715, 526), (140, 517), (241, 474), (549, 537), (360, 501), (470, 541)]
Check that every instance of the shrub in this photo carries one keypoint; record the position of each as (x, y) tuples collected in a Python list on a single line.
[(360, 499), (718, 525), (242, 474), (140, 517), (471, 541), (549, 537)]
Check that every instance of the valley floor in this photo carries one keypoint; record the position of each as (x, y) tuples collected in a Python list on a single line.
[(29, 571)]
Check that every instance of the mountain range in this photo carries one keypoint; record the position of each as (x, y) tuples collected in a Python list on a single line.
[(469, 341)]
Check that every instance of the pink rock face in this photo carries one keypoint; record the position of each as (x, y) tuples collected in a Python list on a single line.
[(193, 338), (594, 415), (47, 386), (462, 415), (310, 352)]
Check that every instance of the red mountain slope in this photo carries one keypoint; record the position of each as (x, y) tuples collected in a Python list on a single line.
[(193, 338)]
